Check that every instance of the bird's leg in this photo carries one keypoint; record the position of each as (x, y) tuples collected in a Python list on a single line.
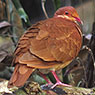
[(58, 82), (45, 78)]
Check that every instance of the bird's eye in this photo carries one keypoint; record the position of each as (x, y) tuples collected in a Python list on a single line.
[(66, 13)]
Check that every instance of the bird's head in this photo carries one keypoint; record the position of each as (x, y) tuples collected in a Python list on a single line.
[(69, 13)]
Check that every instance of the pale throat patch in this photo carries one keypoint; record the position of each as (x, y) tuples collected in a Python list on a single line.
[(63, 16)]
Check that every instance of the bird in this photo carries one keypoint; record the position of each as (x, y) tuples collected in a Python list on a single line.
[(49, 44)]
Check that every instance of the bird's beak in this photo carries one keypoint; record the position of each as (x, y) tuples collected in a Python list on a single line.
[(78, 20)]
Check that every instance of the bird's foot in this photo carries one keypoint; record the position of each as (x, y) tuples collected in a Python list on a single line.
[(60, 83), (50, 83)]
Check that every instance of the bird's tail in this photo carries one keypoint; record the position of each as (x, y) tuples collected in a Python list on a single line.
[(20, 75)]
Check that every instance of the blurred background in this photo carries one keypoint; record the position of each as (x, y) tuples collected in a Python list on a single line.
[(17, 15)]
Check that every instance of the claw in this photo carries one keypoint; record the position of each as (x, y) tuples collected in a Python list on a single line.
[(60, 83)]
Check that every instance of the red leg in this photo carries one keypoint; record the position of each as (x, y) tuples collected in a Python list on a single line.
[(58, 82), (45, 78)]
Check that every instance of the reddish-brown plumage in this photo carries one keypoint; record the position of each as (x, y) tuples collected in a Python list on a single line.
[(52, 43)]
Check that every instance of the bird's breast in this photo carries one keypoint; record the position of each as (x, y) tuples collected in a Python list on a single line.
[(61, 42)]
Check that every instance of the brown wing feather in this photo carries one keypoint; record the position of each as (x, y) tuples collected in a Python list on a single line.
[(32, 61)]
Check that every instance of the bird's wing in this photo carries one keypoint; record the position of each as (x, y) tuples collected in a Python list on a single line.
[(47, 43)]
